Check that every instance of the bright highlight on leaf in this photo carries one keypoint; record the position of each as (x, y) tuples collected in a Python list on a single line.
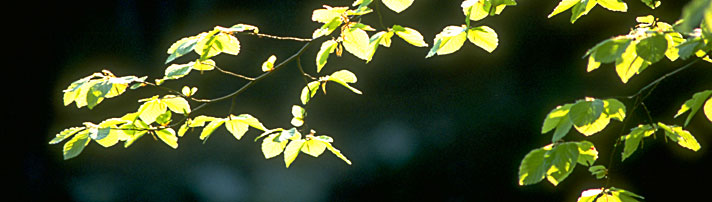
[(356, 42), (608, 195), (93, 89), (632, 140), (484, 37), (397, 5), (582, 7), (682, 137), (448, 41), (694, 104), (268, 65), (555, 162), (343, 77), (588, 116)]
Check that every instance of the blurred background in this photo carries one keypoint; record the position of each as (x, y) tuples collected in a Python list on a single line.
[(446, 128)]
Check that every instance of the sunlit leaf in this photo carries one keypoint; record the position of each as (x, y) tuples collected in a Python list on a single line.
[(586, 116), (344, 77), (181, 47), (200, 121), (204, 65), (599, 171), (242, 28), (581, 9), (561, 161), (609, 195), (236, 127), (327, 141), (633, 139), (693, 105), (327, 28), (210, 128), (75, 146), (397, 5), (214, 43), (327, 14), (533, 168), (309, 91), (271, 147), (614, 5), (484, 37), (64, 134), (168, 136), (614, 109), (630, 64), (682, 137), (689, 47), (563, 6), (298, 113), (554, 117), (326, 49), (176, 104), (708, 109), (269, 64), (587, 153), (356, 42), (651, 3), (652, 48), (674, 39), (476, 9), (150, 110), (314, 147), (292, 151), (609, 50), (448, 41), (176, 71), (97, 92), (410, 35)]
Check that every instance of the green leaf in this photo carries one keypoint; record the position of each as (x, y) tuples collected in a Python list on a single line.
[(210, 128), (168, 136), (682, 137), (476, 9), (327, 141), (397, 5), (652, 48), (587, 116), (204, 65), (356, 42), (629, 64), (64, 134), (448, 41), (241, 28), (271, 147), (581, 9), (292, 150), (75, 146), (309, 91), (651, 3), (609, 50), (633, 139), (693, 14), (693, 105), (614, 5), (344, 77), (214, 43), (176, 104), (327, 14), (689, 47), (201, 120), (326, 49), (410, 35), (554, 117), (563, 6), (674, 39), (587, 153), (183, 129), (484, 37), (614, 109), (592, 64), (181, 47), (533, 168), (176, 71), (327, 28), (236, 127), (599, 171), (562, 161), (97, 92), (164, 118)]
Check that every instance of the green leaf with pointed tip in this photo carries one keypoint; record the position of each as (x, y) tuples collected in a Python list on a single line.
[(652, 48), (693, 105), (164, 118), (251, 121), (326, 49), (64, 134), (614, 109), (614, 5), (598, 170), (271, 147), (356, 42), (484, 37), (327, 28), (397, 5), (97, 92), (554, 118), (624, 195), (75, 146), (587, 153), (592, 64), (581, 9), (168, 136), (690, 47), (201, 120), (236, 127), (111, 137), (410, 35), (630, 64), (181, 47), (448, 41), (585, 116), (242, 28), (682, 137), (609, 50), (210, 128), (214, 43), (632, 140), (292, 151), (327, 141), (563, 6)]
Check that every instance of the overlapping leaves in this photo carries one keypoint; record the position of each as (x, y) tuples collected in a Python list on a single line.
[(608, 195), (588, 116), (582, 7), (93, 89), (555, 162), (291, 143)]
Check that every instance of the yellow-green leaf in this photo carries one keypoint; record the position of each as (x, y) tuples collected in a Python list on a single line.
[(298, 113), (181, 47), (64, 134), (632, 140), (210, 128), (271, 147), (708, 109), (682, 137), (176, 104), (176, 71), (448, 41), (563, 6), (292, 151), (674, 39), (334, 150), (204, 65), (314, 147), (476, 9), (397, 5), (614, 109), (309, 91), (592, 64), (326, 49), (484, 37), (75, 146), (614, 5), (581, 9), (693, 105), (168, 136), (410, 35), (269, 64), (356, 42), (344, 77), (150, 110), (629, 64), (327, 13), (236, 127)]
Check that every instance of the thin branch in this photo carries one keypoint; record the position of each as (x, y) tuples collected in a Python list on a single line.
[(380, 17), (655, 83), (276, 37), (299, 65), (232, 73)]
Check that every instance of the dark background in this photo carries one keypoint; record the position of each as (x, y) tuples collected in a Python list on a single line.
[(446, 128)]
